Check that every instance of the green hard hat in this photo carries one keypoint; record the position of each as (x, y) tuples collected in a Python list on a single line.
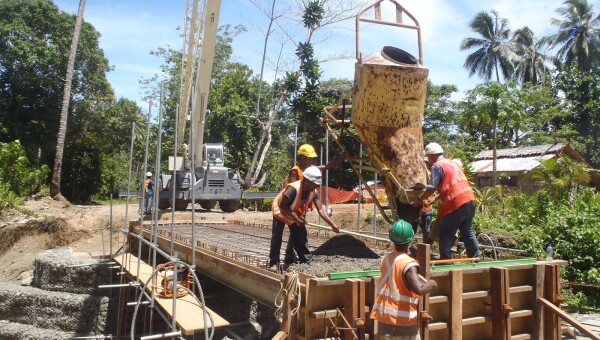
[(401, 232)]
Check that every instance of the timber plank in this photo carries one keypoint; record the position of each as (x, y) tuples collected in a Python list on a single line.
[(189, 313)]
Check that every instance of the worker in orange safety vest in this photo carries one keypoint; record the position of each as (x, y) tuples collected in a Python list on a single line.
[(290, 208), (306, 158), (396, 303), (457, 202)]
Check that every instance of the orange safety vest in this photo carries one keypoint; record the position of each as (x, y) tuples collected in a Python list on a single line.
[(296, 206), (427, 206), (395, 304), (455, 189), (298, 170)]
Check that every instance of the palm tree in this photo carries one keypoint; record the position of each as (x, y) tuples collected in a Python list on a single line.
[(578, 34), (60, 144), (531, 66), (493, 49)]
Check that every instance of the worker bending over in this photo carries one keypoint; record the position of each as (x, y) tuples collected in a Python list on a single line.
[(397, 300), (306, 157), (457, 202), (289, 208)]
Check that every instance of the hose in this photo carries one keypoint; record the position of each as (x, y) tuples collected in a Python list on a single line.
[(494, 252), (200, 300)]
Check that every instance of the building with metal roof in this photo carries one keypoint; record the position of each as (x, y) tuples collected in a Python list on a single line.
[(512, 165)]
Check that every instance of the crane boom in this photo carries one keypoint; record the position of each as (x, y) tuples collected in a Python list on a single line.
[(204, 72), (206, 181)]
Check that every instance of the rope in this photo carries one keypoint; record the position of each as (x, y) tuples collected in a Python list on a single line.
[(292, 287)]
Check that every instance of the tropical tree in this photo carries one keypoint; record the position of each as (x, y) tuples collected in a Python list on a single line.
[(531, 63), (581, 93), (62, 130), (578, 35), (562, 176), (34, 36), (484, 104), (317, 15), (493, 51)]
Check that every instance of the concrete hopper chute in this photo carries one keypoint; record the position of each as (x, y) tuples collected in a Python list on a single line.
[(388, 101)]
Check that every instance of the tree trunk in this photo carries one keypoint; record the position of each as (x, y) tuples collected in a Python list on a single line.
[(62, 130), (494, 155)]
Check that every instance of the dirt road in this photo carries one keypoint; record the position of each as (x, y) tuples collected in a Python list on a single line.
[(43, 223)]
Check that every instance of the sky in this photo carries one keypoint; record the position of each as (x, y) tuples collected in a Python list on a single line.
[(130, 29)]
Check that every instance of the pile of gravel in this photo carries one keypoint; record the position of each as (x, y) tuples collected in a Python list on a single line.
[(342, 253), (321, 265), (346, 246)]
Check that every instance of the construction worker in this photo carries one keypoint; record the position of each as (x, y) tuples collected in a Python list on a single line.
[(306, 157), (425, 220), (289, 208), (457, 206), (397, 300), (148, 193)]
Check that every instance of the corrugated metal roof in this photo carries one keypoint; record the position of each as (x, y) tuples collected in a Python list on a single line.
[(523, 151), (509, 164)]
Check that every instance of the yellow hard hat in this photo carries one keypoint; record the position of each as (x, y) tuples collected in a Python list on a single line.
[(307, 150)]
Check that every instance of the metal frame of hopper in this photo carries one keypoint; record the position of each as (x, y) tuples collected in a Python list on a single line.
[(378, 166)]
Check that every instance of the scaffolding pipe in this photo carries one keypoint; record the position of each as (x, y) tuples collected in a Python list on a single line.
[(91, 264), (120, 285), (174, 180), (143, 195), (162, 336), (193, 173), (154, 223)]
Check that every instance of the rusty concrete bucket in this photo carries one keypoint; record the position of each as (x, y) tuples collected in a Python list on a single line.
[(387, 109)]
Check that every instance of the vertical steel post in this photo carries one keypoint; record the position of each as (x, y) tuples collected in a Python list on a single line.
[(375, 209), (173, 181), (359, 189), (321, 186), (296, 144), (327, 207), (110, 247), (143, 193), (193, 174)]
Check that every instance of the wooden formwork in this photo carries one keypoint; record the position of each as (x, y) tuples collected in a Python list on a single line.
[(495, 302)]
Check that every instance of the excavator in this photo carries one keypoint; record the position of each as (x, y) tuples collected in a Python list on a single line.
[(200, 176)]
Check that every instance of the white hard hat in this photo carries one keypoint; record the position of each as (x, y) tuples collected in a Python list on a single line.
[(433, 149), (458, 162), (313, 174), (148, 174)]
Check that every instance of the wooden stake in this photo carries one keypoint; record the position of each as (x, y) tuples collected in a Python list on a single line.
[(538, 310), (551, 293), (499, 287), (423, 257), (455, 304)]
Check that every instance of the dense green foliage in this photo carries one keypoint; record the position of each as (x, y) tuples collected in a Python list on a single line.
[(35, 37), (18, 177), (539, 219)]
